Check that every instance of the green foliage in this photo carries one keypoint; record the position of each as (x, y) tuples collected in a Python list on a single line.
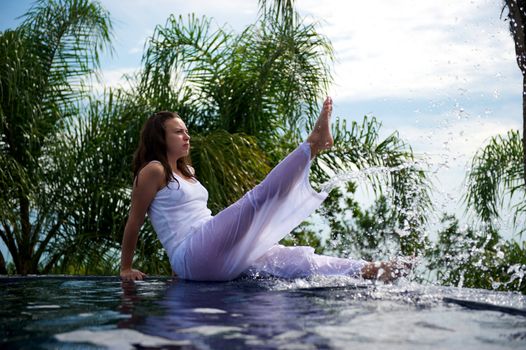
[(89, 175), (228, 165), (477, 258), (497, 171), (44, 64), (373, 234), (304, 235), (260, 82)]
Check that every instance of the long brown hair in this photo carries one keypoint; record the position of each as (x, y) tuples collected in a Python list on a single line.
[(152, 146)]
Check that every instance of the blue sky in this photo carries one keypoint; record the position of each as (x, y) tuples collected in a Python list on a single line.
[(443, 74)]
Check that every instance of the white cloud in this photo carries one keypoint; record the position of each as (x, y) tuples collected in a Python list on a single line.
[(455, 139), (384, 49), (114, 78), (412, 48)]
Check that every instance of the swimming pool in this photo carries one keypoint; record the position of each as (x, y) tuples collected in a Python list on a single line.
[(320, 313)]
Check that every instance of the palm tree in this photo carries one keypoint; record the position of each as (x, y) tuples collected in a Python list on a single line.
[(89, 172), (497, 167), (44, 66)]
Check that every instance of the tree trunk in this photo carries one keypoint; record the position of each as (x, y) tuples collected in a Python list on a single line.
[(25, 248), (524, 125), (517, 17), (3, 269)]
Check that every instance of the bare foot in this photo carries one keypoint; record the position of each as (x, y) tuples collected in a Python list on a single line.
[(321, 138), (388, 271)]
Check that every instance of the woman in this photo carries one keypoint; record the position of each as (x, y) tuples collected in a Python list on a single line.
[(243, 237)]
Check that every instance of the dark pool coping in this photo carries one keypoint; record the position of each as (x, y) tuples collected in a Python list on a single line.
[(477, 305)]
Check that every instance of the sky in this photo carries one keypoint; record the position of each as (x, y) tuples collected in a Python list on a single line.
[(441, 73)]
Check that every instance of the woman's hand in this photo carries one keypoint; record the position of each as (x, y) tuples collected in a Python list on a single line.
[(132, 275)]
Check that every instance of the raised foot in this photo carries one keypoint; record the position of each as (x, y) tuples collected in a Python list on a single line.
[(321, 138)]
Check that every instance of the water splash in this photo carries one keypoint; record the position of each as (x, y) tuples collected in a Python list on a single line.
[(363, 175), (516, 272)]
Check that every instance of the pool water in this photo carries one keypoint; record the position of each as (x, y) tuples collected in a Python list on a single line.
[(319, 313)]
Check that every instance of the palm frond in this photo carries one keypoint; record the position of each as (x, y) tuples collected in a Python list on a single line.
[(258, 82), (70, 34), (496, 170), (278, 10), (184, 61), (228, 165), (89, 174), (284, 70)]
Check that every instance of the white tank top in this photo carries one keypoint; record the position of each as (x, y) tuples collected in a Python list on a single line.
[(177, 210)]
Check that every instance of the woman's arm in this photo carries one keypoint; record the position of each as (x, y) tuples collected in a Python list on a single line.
[(150, 180)]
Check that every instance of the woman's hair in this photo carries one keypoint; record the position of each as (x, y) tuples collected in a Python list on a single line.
[(152, 146)]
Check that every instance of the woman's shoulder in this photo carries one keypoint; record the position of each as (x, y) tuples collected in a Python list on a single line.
[(153, 170), (153, 166)]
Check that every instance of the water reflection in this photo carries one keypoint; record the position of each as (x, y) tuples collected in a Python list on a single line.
[(262, 314), (272, 314), (227, 315)]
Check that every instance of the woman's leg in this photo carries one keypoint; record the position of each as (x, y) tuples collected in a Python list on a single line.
[(218, 242), (297, 262), (227, 241)]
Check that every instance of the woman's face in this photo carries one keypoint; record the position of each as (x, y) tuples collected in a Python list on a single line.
[(177, 138)]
